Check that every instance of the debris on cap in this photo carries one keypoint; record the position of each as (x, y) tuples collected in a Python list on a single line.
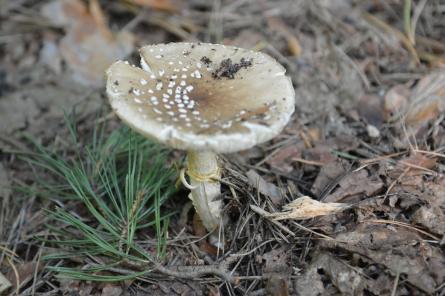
[(201, 96)]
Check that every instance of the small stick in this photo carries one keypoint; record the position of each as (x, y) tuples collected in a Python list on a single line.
[(310, 162), (187, 271), (430, 153), (402, 224), (265, 214)]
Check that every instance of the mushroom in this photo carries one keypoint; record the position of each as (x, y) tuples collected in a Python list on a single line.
[(205, 99)]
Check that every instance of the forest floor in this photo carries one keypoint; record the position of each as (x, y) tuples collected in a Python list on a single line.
[(368, 134)]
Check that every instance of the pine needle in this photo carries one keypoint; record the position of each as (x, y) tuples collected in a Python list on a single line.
[(121, 180)]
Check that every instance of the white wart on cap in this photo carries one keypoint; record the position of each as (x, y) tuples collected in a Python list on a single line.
[(199, 96)]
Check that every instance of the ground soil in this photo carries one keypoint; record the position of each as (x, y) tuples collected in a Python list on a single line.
[(366, 143)]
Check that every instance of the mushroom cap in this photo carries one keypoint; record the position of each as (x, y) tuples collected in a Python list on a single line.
[(203, 97)]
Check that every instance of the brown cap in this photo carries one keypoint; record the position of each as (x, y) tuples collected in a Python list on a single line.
[(200, 96)]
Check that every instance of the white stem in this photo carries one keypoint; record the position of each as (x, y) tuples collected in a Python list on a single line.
[(204, 172)]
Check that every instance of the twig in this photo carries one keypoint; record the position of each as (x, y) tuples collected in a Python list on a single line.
[(398, 223), (430, 153), (411, 165), (190, 272), (382, 157), (310, 162), (266, 214)]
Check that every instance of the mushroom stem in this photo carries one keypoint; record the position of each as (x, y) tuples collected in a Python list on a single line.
[(204, 173)]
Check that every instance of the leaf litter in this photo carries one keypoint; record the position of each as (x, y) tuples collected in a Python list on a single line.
[(357, 174), (89, 46)]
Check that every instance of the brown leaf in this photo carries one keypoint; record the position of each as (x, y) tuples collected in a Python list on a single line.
[(305, 208), (265, 188), (327, 175), (347, 280), (357, 184), (321, 154), (432, 218), (398, 249), (427, 100), (277, 261), (396, 100), (282, 160), (416, 163), (88, 47)]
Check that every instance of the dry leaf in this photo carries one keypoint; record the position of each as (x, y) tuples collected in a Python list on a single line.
[(276, 261), (265, 188), (355, 185), (432, 218), (417, 163), (88, 47), (396, 100), (327, 175), (427, 100), (346, 279), (399, 249), (282, 160), (305, 208)]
